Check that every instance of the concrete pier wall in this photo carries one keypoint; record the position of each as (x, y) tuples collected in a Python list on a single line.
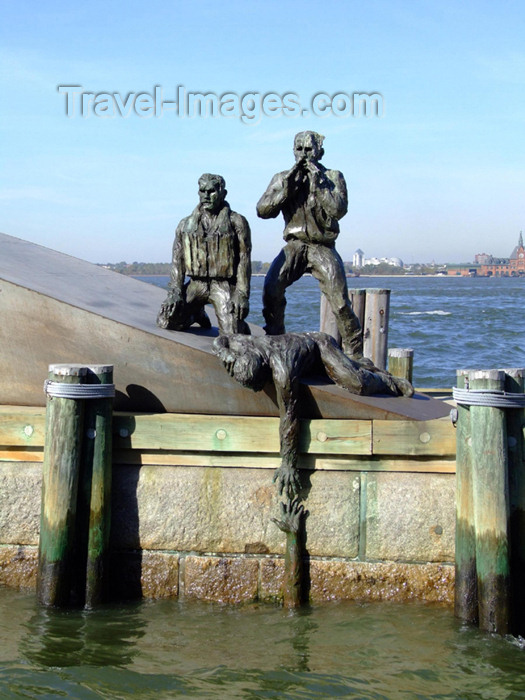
[(191, 512)]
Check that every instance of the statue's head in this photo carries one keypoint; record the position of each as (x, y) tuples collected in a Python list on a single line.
[(212, 192), (250, 370), (308, 145), (243, 360)]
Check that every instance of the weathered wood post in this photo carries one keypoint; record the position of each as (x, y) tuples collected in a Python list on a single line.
[(491, 508), (401, 362), (466, 587), (372, 308), (358, 300), (375, 328), (327, 322), (76, 488), (491, 503), (96, 481), (515, 384), (63, 443)]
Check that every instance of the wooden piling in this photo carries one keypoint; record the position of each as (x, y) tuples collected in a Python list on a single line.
[(466, 589), (375, 328), (62, 453), (515, 383), (491, 504), (96, 486), (358, 299), (372, 307), (401, 362), (327, 322)]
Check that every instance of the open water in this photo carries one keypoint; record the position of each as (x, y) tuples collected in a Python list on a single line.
[(451, 322), (170, 649)]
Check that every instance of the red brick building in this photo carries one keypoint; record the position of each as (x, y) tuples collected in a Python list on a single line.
[(506, 267)]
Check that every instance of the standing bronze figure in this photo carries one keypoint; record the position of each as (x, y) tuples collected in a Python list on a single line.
[(212, 247), (312, 199)]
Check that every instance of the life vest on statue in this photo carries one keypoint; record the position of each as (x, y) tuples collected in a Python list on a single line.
[(211, 253)]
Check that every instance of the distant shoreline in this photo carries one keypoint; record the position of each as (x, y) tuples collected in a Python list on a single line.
[(356, 277)]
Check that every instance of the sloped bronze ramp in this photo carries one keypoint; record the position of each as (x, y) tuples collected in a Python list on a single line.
[(58, 309)]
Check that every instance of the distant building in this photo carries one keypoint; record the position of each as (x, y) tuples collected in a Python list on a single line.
[(514, 266), (482, 259), (517, 257), (395, 262), (358, 259)]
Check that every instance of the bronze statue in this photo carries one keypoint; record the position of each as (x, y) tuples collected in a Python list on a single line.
[(312, 199), (254, 361), (212, 247)]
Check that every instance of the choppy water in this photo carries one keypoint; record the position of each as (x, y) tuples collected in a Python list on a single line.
[(451, 323), (171, 649)]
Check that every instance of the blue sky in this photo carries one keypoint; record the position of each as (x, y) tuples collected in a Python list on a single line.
[(440, 176)]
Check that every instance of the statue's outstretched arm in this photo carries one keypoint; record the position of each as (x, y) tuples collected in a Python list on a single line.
[(177, 271), (287, 475), (292, 516), (244, 270), (270, 204)]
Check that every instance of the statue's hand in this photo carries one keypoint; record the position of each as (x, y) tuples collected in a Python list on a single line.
[(289, 178), (297, 167), (221, 347), (173, 299), (291, 514), (287, 478), (314, 174), (169, 308), (241, 304), (163, 317)]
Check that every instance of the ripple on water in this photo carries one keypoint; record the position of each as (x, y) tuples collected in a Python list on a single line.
[(169, 649)]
